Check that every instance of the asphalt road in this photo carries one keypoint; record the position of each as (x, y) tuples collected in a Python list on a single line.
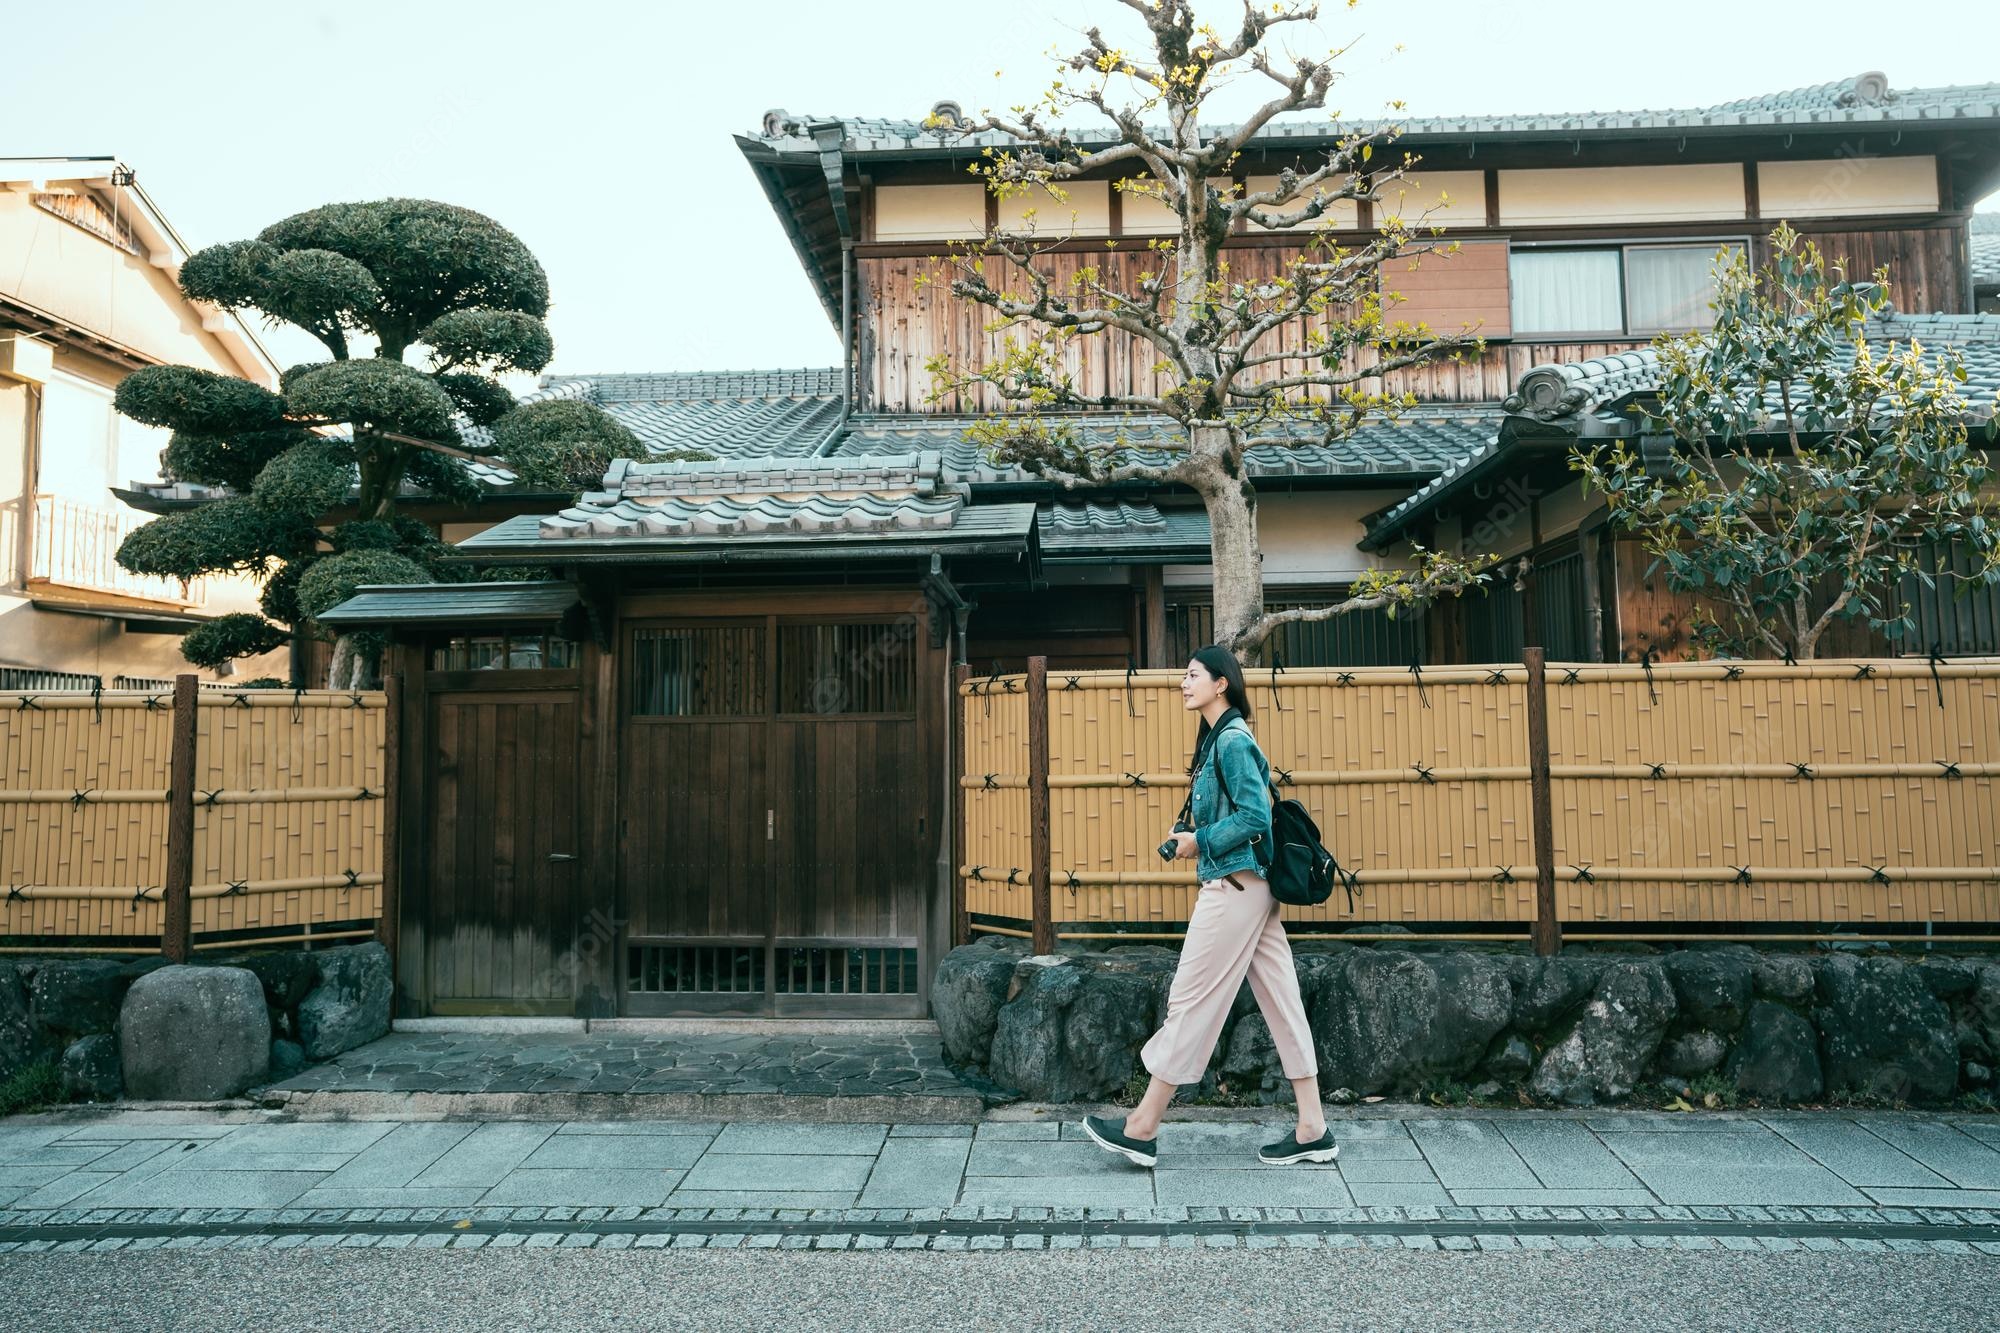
[(444, 1291)]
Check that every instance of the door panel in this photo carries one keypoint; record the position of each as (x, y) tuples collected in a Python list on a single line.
[(776, 817), (501, 917)]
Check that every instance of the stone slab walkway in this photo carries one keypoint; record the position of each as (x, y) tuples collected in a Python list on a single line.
[(888, 1060), (1467, 1167)]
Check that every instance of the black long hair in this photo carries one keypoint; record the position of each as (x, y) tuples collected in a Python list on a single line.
[(1222, 664)]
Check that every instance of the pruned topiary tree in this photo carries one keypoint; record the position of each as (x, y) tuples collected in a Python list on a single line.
[(1228, 361), (420, 306)]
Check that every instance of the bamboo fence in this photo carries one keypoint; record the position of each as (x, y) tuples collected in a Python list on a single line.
[(267, 826), (1710, 798)]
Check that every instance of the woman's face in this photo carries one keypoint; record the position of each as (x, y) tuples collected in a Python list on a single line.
[(1199, 689)]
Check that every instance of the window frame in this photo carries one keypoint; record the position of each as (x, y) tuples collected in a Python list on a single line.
[(1622, 246)]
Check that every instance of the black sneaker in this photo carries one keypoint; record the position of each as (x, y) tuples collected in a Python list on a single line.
[(1288, 1150), (1110, 1136)]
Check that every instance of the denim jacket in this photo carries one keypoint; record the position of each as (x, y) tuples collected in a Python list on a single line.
[(1232, 834)]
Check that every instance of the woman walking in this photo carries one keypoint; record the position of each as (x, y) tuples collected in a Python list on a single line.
[(1226, 830)]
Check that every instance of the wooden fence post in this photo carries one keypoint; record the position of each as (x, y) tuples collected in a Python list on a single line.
[(392, 821), (1548, 931), (177, 916), (961, 917), (1038, 804)]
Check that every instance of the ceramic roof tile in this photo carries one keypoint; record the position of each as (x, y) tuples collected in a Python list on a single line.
[(1100, 529), (1419, 442), (1862, 99), (381, 604)]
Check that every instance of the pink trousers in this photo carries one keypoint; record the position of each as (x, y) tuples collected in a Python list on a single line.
[(1232, 931)]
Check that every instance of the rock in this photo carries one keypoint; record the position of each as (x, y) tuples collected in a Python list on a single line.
[(1777, 1056), (1782, 976), (287, 975), (1692, 1054), (75, 997), (1390, 1020), (17, 1030), (966, 994), (350, 1006), (1972, 1044), (1975, 1075), (1675, 1086), (1712, 985), (194, 1033), (1487, 1090), (1343, 1097), (1251, 1066), (1613, 1039), (1982, 1007), (1072, 1033), (1547, 990), (1512, 1058), (287, 1059), (90, 1069), (1948, 978), (1882, 1033)]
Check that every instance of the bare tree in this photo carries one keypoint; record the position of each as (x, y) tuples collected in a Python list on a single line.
[(1232, 366)]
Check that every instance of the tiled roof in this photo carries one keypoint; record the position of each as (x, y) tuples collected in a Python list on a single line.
[(1123, 530), (1420, 442), (684, 508), (1865, 99), (1568, 393), (1573, 388), (1986, 259), (767, 497), (385, 604), (726, 413), (1006, 527)]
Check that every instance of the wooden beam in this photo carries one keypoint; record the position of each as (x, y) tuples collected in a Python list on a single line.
[(1038, 804), (177, 917), (392, 822), (1547, 931), (1155, 618), (961, 915)]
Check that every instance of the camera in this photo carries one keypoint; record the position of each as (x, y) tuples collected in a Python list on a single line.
[(1167, 848)]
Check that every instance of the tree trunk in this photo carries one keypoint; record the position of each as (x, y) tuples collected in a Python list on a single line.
[(346, 662), (1237, 565)]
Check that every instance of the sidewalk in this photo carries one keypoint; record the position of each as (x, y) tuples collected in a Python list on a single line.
[(148, 1166)]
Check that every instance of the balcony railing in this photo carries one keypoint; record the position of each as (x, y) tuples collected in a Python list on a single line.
[(76, 546)]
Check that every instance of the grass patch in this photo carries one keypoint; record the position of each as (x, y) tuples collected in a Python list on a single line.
[(32, 1088)]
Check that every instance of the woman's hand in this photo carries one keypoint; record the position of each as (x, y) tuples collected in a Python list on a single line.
[(1184, 846)]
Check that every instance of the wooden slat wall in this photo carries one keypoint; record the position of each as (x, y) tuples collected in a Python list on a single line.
[(907, 320), (1473, 817), (327, 742)]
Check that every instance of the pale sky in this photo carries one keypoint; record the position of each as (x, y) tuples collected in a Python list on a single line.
[(601, 133)]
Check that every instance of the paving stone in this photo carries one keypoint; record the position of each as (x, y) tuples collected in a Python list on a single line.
[(485, 1156), (916, 1172), (800, 1139), (1295, 1186)]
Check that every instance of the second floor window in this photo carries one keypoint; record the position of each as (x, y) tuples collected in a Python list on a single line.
[(1613, 290)]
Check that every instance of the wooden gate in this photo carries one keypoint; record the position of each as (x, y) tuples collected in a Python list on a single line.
[(778, 814), (499, 917)]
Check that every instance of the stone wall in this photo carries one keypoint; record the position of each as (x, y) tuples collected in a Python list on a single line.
[(145, 1029), (1586, 1027)]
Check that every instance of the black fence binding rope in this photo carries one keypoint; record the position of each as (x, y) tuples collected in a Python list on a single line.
[(1417, 674)]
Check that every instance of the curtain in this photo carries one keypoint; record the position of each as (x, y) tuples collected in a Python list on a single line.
[(1670, 287), (1565, 291)]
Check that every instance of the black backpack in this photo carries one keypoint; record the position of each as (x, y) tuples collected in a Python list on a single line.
[(1299, 868)]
